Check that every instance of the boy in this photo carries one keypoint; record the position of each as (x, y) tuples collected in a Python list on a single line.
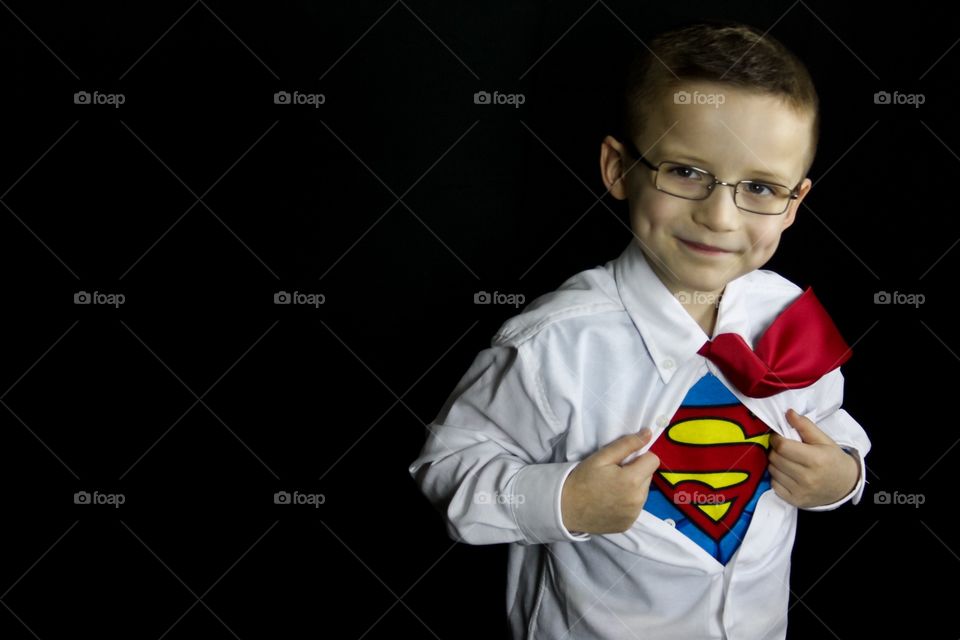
[(683, 530)]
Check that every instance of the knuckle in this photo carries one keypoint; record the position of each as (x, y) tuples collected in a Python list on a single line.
[(640, 483)]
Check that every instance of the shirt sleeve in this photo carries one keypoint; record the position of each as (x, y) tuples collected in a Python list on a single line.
[(845, 431), (486, 464)]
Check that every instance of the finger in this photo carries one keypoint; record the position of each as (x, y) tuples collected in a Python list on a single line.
[(781, 491), (776, 442), (793, 450), (616, 451), (809, 432), (787, 465), (645, 465), (784, 479)]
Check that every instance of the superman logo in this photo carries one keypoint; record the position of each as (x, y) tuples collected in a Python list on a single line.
[(712, 459)]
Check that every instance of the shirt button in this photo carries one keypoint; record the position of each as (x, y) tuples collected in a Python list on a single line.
[(670, 522), (668, 363)]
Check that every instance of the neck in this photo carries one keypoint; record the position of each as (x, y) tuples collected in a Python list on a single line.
[(703, 306), (705, 315)]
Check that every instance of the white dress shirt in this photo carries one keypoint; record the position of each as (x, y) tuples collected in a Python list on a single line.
[(608, 353)]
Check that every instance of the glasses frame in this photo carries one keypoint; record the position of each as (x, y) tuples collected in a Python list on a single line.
[(793, 195)]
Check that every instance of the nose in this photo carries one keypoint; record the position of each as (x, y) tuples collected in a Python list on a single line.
[(718, 211)]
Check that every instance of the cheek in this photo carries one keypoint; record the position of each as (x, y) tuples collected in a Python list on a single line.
[(764, 238), (652, 210)]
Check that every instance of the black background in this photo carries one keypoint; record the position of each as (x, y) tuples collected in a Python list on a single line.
[(398, 199)]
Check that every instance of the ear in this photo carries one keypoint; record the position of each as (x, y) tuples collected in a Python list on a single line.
[(802, 192), (613, 162)]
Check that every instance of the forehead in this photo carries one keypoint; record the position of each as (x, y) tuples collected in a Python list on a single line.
[(730, 131)]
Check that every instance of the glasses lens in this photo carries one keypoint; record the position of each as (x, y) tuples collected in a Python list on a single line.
[(683, 181), (761, 197)]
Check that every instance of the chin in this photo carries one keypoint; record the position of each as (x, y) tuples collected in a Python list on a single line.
[(706, 283)]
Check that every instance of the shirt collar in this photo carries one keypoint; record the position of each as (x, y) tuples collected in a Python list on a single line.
[(670, 334)]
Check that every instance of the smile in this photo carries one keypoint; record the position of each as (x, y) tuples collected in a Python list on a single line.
[(703, 248)]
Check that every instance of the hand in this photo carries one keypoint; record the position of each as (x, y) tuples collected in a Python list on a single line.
[(600, 495), (814, 471)]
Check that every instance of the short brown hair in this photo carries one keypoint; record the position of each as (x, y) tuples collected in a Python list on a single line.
[(724, 52)]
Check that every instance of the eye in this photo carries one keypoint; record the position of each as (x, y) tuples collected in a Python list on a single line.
[(759, 189), (685, 173)]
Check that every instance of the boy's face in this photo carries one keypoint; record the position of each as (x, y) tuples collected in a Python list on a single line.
[(744, 135)]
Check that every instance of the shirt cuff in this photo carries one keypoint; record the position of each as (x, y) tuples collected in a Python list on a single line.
[(536, 497), (857, 491)]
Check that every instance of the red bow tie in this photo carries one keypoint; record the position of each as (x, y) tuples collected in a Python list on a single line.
[(797, 349)]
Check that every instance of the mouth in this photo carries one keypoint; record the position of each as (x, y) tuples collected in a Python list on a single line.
[(707, 249)]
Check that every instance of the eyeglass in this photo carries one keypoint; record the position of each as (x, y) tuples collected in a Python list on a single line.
[(692, 183)]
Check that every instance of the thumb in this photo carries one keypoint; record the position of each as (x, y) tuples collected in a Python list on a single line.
[(809, 432), (616, 451)]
